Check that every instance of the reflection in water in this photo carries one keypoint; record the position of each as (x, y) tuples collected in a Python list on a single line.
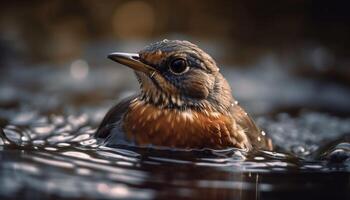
[(73, 164)]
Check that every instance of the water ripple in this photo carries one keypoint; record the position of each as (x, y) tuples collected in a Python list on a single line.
[(59, 154)]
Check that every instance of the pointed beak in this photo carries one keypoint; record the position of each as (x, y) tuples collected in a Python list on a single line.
[(131, 60)]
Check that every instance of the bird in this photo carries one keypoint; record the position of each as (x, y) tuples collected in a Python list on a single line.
[(184, 102)]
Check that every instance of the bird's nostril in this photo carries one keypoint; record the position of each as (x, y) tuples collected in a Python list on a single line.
[(136, 57)]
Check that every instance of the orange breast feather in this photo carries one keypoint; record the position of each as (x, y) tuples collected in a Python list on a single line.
[(148, 124)]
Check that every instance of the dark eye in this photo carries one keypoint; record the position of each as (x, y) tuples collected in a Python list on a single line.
[(178, 66)]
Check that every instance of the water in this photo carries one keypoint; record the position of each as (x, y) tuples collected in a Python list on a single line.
[(47, 148)]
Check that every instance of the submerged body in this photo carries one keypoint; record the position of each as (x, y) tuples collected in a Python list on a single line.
[(184, 102), (147, 124)]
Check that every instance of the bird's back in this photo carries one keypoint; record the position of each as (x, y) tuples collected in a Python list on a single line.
[(114, 117), (257, 137)]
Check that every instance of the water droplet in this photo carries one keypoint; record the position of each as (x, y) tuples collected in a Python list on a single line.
[(259, 158), (50, 148), (76, 154), (63, 144), (88, 142), (81, 137), (59, 138), (38, 142)]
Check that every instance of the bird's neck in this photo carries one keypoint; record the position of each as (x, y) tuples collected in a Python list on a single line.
[(161, 100), (219, 99)]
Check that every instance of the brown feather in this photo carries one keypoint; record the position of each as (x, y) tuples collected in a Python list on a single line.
[(192, 109), (148, 124)]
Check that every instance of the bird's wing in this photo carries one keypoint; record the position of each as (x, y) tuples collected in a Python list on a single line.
[(113, 116), (257, 139)]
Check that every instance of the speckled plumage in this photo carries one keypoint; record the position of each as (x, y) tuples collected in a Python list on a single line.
[(191, 109)]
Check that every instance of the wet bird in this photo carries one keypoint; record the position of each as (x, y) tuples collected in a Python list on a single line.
[(184, 102)]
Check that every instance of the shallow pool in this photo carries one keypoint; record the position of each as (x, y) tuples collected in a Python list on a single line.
[(47, 149)]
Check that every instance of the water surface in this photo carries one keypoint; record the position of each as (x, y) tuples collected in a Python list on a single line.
[(47, 148)]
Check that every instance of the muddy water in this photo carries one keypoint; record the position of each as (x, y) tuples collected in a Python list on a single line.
[(47, 149)]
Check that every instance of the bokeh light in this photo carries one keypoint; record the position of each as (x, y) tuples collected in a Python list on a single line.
[(79, 69)]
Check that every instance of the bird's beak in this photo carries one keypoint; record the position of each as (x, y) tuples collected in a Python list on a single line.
[(131, 60)]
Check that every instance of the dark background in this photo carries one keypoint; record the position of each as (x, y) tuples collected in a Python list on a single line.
[(287, 62), (308, 40), (59, 30)]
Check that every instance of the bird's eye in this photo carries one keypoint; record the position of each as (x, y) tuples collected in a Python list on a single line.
[(178, 66)]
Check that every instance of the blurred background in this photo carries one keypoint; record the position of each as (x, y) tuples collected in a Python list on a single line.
[(288, 63), (276, 54)]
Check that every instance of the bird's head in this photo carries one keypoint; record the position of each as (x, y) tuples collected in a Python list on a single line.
[(178, 74)]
